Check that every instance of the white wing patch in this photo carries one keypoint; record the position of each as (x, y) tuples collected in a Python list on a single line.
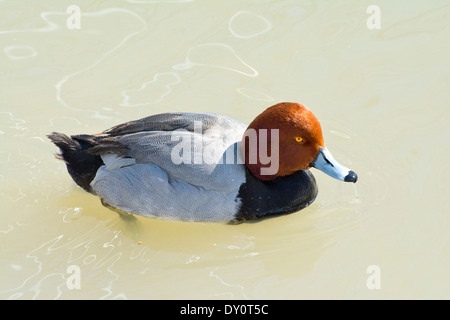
[(113, 161)]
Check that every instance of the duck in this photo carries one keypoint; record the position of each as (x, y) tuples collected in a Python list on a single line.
[(192, 166)]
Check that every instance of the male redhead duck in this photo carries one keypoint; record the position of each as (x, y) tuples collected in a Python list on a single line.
[(204, 166)]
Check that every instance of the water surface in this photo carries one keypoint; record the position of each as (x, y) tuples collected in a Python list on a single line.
[(381, 96)]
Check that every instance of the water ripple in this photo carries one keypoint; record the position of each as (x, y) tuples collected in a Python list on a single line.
[(59, 85), (216, 55), (152, 91), (20, 52), (248, 19)]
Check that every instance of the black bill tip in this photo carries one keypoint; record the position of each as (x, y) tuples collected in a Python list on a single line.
[(351, 177)]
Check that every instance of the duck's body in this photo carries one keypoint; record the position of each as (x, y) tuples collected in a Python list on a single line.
[(183, 166)]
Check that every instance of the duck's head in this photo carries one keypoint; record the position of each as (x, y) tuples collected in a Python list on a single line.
[(286, 138)]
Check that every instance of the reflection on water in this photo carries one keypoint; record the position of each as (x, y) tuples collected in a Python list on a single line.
[(381, 96)]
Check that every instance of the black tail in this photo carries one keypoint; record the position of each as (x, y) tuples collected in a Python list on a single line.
[(82, 166)]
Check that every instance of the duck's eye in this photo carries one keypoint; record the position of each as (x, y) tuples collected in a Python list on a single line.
[(299, 139)]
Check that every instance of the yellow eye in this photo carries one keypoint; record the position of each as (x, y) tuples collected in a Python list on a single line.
[(299, 139)]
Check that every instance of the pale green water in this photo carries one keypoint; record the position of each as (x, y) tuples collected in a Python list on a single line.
[(381, 96)]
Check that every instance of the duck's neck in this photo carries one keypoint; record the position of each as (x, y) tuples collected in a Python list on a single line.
[(256, 169)]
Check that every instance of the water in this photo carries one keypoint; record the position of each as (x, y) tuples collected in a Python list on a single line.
[(381, 96)]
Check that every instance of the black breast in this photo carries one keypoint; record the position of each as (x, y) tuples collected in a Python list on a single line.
[(279, 196)]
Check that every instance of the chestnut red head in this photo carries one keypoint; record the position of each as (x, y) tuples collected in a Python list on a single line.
[(285, 138)]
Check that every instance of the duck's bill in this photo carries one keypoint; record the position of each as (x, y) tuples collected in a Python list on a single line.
[(326, 163)]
